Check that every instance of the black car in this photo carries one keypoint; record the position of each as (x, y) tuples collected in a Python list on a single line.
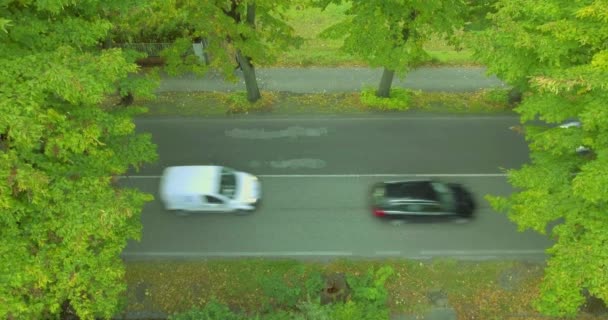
[(421, 198)]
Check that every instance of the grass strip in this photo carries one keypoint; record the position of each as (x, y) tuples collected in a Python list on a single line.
[(476, 290), (214, 104)]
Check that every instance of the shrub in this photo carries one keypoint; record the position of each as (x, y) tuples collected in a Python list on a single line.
[(359, 311), (400, 99), (279, 293), (314, 284), (309, 310), (496, 95), (238, 104), (212, 311), (368, 301), (369, 288)]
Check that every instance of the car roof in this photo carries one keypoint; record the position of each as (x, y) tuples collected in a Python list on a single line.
[(411, 189), (188, 180), (569, 124)]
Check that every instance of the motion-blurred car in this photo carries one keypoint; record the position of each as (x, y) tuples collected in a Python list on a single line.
[(576, 124), (421, 198), (209, 188)]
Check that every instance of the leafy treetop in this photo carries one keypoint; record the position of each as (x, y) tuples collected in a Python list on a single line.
[(64, 220), (555, 51)]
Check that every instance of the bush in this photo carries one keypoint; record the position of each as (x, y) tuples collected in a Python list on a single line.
[(400, 99), (359, 311), (212, 311), (279, 293), (497, 95), (285, 301), (370, 287), (314, 284), (238, 104), (309, 310)]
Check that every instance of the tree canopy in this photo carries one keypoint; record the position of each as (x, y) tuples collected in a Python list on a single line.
[(391, 33), (63, 220), (255, 30), (555, 51)]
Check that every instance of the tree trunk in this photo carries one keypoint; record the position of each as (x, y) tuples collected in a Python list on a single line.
[(384, 90), (251, 83), (515, 96), (107, 43)]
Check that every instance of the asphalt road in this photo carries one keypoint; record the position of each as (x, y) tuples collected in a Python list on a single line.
[(316, 175), (353, 145)]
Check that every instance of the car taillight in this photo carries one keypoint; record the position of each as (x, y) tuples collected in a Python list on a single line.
[(379, 213)]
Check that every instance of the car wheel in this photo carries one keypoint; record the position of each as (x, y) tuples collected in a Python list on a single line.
[(462, 219), (243, 212), (398, 222), (181, 213)]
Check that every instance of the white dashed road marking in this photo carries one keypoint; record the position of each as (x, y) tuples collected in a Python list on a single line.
[(380, 175)]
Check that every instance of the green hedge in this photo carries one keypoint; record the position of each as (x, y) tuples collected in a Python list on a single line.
[(399, 100), (367, 301)]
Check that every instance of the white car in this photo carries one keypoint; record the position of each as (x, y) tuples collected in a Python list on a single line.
[(575, 124), (209, 188)]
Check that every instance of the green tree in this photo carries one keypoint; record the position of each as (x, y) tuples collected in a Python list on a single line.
[(555, 51), (391, 33), (241, 32), (63, 219)]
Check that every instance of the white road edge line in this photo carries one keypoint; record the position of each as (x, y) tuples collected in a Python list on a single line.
[(460, 175), (388, 253), (240, 254), (424, 254), (479, 252)]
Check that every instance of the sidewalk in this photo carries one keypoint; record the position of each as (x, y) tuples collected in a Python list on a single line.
[(334, 80)]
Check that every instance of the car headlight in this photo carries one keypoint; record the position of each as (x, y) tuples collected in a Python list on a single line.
[(251, 200)]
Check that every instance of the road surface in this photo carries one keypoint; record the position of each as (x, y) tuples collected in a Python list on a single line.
[(316, 174)]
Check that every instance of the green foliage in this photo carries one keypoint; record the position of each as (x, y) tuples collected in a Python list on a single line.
[(314, 284), (555, 52), (213, 310), (477, 14), (531, 38), (370, 286), (358, 310), (368, 301), (255, 31), (312, 310), (279, 293), (64, 221), (223, 26), (179, 59), (151, 22), (139, 86), (4, 23), (238, 104), (497, 95), (391, 34), (400, 99)]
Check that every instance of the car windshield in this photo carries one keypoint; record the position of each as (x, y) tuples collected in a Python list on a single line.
[(228, 183), (445, 196)]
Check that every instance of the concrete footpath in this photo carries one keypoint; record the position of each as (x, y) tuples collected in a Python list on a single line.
[(334, 80)]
